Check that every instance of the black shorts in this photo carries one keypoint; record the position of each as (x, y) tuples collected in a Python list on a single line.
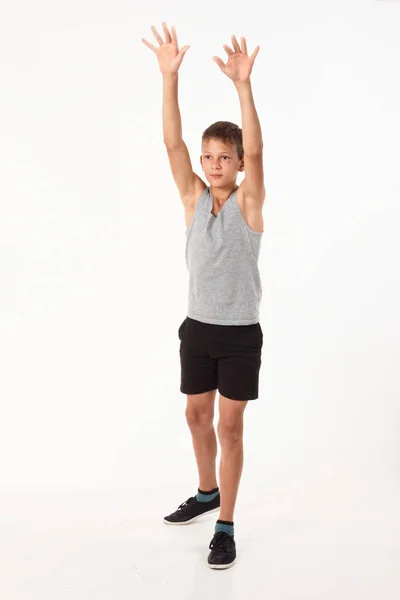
[(223, 357)]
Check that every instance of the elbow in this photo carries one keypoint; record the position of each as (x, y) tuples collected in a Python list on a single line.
[(254, 151)]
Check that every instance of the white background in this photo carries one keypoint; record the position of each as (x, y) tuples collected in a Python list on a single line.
[(93, 288)]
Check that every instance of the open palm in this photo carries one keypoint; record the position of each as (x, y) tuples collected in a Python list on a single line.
[(240, 64)]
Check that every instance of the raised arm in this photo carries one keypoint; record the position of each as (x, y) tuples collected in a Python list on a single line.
[(172, 123), (169, 60), (238, 68)]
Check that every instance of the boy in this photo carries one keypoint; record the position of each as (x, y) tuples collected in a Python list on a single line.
[(221, 337)]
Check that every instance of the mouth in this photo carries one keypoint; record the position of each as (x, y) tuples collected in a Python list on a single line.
[(216, 176)]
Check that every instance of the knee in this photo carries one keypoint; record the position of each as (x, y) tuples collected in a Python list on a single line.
[(199, 418), (230, 431)]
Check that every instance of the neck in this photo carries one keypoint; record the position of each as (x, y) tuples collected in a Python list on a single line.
[(221, 195)]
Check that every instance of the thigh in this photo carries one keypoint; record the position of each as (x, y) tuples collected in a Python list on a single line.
[(199, 371), (200, 407)]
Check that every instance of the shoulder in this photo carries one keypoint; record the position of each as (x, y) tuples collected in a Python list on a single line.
[(251, 210), (198, 190), (249, 202)]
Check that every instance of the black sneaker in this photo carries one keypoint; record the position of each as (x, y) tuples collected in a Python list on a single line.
[(223, 551), (192, 509)]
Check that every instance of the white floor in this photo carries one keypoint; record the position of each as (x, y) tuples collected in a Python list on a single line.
[(337, 537)]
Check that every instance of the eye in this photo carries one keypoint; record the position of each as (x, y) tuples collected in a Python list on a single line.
[(208, 155)]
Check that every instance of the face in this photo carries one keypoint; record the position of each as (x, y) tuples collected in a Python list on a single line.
[(221, 159)]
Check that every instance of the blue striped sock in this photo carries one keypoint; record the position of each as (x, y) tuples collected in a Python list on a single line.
[(227, 526), (203, 496)]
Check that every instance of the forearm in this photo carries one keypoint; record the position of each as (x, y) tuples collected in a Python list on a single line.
[(172, 124), (251, 129)]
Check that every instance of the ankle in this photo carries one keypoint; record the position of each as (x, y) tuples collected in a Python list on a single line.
[(208, 487), (207, 495)]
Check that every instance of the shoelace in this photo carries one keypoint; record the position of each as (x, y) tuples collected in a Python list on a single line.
[(221, 539), (186, 503)]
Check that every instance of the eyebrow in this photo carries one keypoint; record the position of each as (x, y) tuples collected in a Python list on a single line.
[(223, 152)]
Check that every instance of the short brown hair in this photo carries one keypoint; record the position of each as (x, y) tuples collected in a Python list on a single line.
[(227, 132)]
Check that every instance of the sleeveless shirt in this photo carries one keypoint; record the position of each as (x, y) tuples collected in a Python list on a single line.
[(222, 259)]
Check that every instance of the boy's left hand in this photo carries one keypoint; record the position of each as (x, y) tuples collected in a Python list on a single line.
[(240, 64)]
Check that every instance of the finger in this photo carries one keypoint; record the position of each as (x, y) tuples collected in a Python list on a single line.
[(174, 36), (157, 35), (255, 52), (235, 44), (228, 50), (149, 45), (244, 45), (167, 33)]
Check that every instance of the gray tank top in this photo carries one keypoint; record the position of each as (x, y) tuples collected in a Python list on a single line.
[(222, 259)]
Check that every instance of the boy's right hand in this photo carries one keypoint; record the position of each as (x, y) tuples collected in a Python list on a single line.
[(169, 58)]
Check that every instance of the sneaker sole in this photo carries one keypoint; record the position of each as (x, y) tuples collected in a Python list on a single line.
[(208, 512), (222, 566)]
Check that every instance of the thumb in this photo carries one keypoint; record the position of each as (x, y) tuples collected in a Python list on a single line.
[(184, 50), (219, 62)]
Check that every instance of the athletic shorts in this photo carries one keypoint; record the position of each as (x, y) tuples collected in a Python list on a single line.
[(223, 357)]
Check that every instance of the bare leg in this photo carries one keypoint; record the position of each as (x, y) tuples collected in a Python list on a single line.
[(230, 433), (200, 416)]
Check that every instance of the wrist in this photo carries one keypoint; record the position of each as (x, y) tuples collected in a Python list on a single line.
[(242, 84)]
